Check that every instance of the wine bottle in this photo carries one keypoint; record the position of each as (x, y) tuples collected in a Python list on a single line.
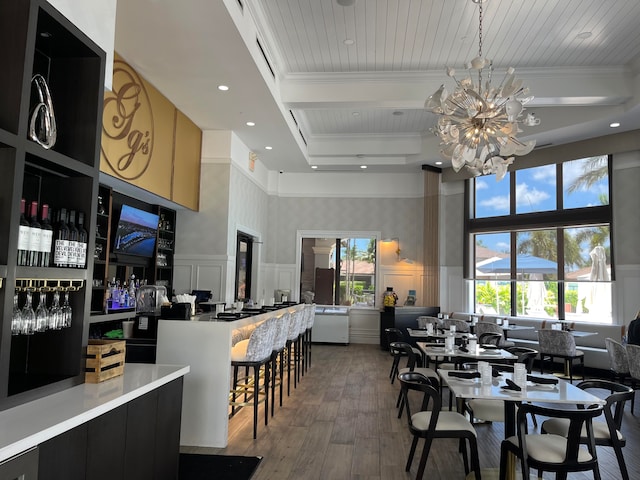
[(23, 236), (82, 242), (72, 262), (46, 237), (34, 236), (61, 248)]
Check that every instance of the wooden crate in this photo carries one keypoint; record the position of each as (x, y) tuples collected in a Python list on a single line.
[(105, 359)]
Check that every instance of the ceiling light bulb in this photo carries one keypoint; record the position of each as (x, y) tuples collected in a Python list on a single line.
[(614, 124), (315, 167), (223, 88), (349, 41), (363, 166), (438, 163), (268, 148), (251, 124)]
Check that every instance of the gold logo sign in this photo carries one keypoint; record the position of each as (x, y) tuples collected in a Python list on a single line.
[(128, 123)]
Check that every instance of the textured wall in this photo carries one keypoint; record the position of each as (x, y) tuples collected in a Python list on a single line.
[(393, 217), (205, 232)]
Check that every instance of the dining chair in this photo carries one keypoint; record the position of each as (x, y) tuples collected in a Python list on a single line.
[(489, 338), (462, 326), (525, 355), (606, 433), (492, 327), (395, 335), (559, 344), (633, 354), (432, 422), (551, 452), (618, 361), (414, 366)]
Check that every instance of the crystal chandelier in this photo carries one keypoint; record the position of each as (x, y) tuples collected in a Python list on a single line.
[(478, 122)]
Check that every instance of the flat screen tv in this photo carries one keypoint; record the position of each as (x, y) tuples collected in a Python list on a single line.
[(136, 232)]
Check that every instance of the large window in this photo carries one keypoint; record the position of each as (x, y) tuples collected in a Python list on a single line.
[(339, 271), (542, 242)]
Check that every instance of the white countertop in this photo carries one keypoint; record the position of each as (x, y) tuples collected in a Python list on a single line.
[(27, 425)]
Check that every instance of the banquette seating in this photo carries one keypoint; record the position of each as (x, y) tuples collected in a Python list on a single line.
[(593, 346)]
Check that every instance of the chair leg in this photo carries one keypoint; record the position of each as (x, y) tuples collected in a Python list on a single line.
[(281, 374), (267, 375), (475, 459), (621, 463), (256, 389), (288, 369), (235, 386), (412, 452), (423, 458)]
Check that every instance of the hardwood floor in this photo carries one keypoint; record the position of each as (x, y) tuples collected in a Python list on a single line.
[(341, 423)]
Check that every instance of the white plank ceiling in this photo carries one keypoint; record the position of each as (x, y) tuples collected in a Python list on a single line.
[(356, 77)]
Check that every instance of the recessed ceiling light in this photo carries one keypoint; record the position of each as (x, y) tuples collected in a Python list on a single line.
[(251, 124), (583, 35), (223, 88), (349, 41), (363, 166), (397, 113), (315, 167), (356, 114), (614, 124), (346, 3), (268, 148), (438, 163)]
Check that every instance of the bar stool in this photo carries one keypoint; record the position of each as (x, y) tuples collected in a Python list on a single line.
[(311, 315), (277, 356), (255, 353), (299, 345), (292, 340)]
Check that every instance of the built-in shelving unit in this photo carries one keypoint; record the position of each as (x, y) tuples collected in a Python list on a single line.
[(36, 39)]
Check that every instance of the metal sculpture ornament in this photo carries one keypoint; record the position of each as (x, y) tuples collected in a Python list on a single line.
[(42, 126)]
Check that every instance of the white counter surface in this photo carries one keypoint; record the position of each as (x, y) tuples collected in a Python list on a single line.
[(27, 425)]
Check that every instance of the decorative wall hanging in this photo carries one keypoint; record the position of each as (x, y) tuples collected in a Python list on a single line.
[(42, 127)]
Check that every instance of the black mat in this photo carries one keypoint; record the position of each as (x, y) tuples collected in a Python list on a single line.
[(219, 467)]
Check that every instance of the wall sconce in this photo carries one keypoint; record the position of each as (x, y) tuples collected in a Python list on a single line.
[(398, 250)]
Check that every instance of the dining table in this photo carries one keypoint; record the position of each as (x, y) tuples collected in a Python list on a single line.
[(459, 353), (515, 328)]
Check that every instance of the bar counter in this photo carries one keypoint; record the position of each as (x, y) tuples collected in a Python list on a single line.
[(204, 345), (30, 424)]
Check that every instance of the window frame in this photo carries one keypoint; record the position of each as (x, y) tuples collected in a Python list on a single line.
[(559, 219)]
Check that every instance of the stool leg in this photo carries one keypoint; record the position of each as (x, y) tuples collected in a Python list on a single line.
[(267, 374), (256, 384), (288, 368), (235, 386), (274, 358), (281, 373)]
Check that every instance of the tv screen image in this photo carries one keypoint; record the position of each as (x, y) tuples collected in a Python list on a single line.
[(136, 232)]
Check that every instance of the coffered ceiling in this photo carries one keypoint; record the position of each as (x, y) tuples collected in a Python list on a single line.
[(343, 86)]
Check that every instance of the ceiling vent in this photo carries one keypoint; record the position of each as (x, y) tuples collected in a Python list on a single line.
[(264, 55)]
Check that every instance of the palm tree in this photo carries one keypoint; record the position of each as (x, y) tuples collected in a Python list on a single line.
[(594, 170)]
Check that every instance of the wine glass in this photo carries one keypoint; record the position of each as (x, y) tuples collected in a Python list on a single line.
[(42, 314), (67, 313), (16, 319), (28, 317), (55, 313)]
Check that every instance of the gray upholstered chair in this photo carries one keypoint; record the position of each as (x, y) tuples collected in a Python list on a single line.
[(255, 353), (424, 320), (633, 354), (559, 344), (490, 327), (462, 326), (618, 361)]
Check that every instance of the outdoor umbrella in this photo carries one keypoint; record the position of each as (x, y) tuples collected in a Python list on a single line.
[(524, 263), (598, 299)]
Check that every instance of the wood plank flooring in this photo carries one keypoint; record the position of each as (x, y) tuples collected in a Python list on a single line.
[(341, 423)]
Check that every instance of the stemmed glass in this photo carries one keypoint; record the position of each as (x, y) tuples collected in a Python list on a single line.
[(55, 313), (16, 320), (42, 314), (67, 313), (28, 317)]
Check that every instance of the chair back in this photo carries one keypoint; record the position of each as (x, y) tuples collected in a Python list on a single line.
[(556, 342), (282, 330), (618, 360), (487, 327), (417, 382), (489, 338), (525, 355), (461, 325), (294, 326), (394, 334), (406, 349), (577, 419), (633, 355), (424, 320), (311, 315), (261, 341), (614, 409)]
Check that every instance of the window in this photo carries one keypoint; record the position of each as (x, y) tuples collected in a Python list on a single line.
[(339, 271), (545, 249)]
